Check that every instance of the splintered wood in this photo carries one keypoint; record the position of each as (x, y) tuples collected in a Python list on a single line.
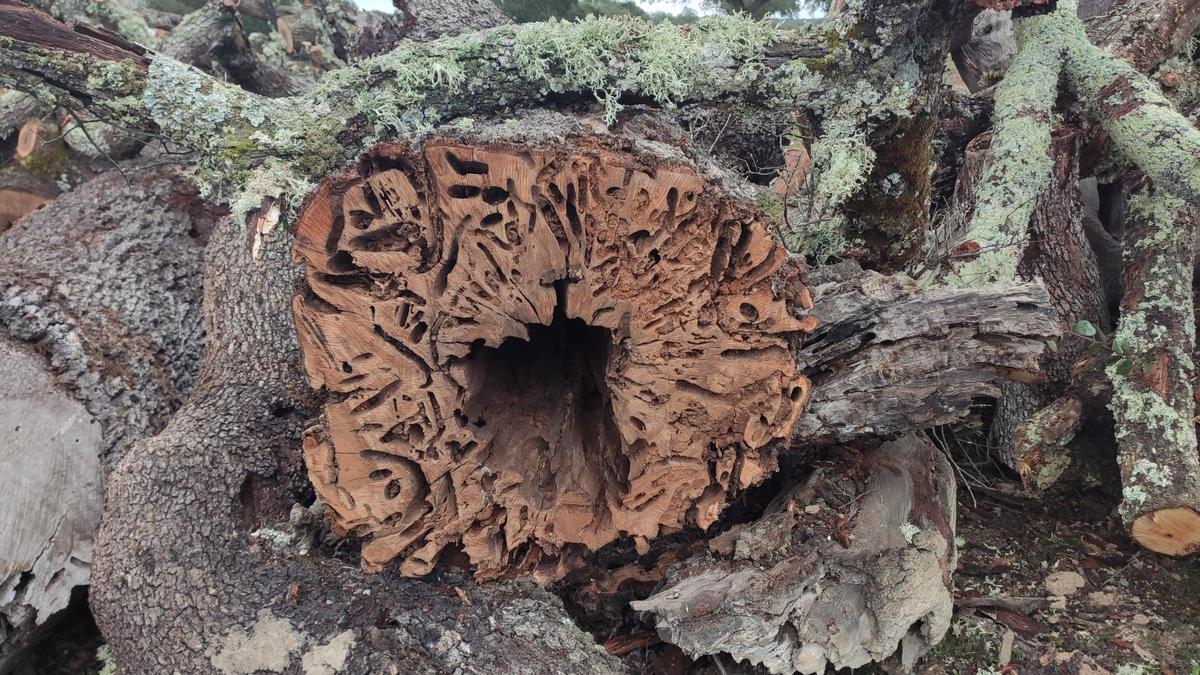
[(530, 353)]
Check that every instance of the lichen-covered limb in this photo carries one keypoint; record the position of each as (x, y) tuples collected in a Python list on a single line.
[(1152, 399), (60, 65), (1056, 252), (412, 88), (1021, 164), (1140, 121)]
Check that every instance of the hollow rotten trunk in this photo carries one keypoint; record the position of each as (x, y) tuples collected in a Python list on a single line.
[(535, 350)]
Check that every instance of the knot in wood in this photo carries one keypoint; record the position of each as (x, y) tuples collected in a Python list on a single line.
[(532, 352)]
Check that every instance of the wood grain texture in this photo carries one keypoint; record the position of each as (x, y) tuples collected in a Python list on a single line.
[(50, 448), (534, 351)]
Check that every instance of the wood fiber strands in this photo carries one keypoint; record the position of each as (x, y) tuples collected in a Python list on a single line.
[(533, 352)]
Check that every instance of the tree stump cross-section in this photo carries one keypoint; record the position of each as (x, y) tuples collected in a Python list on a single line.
[(532, 352)]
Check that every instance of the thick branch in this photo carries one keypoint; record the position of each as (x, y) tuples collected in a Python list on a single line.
[(877, 358), (1005, 194), (15, 108), (213, 33), (1141, 122), (1152, 385)]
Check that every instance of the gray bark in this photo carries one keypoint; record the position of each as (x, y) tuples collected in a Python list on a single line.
[(186, 577), (877, 359), (102, 287)]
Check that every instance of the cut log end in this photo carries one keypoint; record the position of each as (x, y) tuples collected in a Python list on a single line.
[(533, 352), (1170, 531)]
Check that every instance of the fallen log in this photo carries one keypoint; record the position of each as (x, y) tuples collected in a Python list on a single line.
[(538, 349), (1152, 398)]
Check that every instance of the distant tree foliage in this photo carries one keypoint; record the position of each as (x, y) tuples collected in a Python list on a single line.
[(523, 11), (761, 8)]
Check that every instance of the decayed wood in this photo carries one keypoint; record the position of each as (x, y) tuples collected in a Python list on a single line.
[(50, 448), (101, 324), (535, 351), (878, 358), (842, 568), (1152, 392)]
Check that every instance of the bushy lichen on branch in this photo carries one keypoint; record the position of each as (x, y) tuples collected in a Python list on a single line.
[(417, 87)]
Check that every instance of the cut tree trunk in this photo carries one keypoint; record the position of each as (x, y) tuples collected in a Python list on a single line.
[(534, 350), (842, 568), (100, 330)]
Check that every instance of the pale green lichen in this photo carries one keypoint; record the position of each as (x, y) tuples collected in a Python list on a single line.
[(1134, 495), (1155, 474), (1053, 468), (1131, 108), (842, 160), (108, 664), (1021, 165), (416, 87), (665, 62), (908, 530)]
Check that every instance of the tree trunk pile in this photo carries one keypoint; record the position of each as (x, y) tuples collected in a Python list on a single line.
[(535, 350), (514, 305)]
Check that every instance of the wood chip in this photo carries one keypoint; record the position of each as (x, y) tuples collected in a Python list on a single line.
[(29, 138)]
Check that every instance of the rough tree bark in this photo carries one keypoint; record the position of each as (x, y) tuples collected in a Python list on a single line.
[(1053, 248), (1152, 386), (843, 566), (101, 329)]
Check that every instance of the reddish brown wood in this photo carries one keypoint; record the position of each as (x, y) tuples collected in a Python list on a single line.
[(532, 352)]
